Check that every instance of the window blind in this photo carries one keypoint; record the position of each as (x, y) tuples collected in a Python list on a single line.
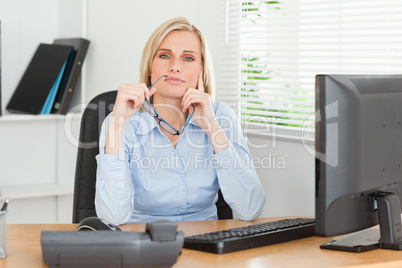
[(270, 52)]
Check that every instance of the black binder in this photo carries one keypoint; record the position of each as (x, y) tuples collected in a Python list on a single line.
[(39, 78), (73, 72)]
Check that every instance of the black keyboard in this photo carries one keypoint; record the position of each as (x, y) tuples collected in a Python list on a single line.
[(252, 236)]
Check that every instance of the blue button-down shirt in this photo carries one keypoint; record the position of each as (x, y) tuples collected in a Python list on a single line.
[(150, 179)]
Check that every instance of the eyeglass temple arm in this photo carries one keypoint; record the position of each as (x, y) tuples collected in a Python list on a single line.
[(157, 81)]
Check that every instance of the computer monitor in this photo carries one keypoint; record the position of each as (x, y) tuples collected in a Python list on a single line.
[(359, 160)]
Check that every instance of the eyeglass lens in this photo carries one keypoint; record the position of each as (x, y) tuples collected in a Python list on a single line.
[(147, 106), (166, 126)]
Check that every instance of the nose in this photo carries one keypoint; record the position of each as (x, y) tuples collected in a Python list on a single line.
[(175, 67)]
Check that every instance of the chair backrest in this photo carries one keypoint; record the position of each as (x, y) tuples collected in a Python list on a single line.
[(85, 173)]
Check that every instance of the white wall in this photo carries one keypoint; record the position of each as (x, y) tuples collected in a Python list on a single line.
[(286, 170)]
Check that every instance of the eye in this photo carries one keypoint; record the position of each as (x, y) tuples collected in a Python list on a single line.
[(189, 59), (163, 56)]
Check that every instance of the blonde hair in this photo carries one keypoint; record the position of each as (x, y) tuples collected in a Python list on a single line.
[(154, 41)]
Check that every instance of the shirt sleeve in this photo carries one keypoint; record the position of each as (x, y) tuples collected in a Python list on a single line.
[(114, 187), (238, 179)]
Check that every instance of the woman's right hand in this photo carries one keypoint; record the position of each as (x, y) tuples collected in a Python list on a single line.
[(129, 99)]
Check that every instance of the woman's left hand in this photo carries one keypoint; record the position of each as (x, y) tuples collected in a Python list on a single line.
[(204, 115)]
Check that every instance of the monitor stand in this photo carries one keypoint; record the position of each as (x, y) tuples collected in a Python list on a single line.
[(361, 241), (389, 214), (389, 236)]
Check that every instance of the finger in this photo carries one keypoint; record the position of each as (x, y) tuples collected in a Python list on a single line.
[(190, 91), (186, 102), (136, 101), (142, 99), (132, 95), (192, 100), (126, 90), (151, 92), (185, 96), (200, 86)]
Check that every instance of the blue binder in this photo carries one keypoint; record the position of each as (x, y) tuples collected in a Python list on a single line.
[(52, 95)]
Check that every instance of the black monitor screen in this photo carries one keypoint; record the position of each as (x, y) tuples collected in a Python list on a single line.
[(358, 156)]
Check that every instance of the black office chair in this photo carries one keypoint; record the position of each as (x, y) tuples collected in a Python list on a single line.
[(85, 173)]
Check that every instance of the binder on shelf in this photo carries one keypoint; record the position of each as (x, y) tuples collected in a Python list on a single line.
[(47, 107), (73, 72), (41, 80)]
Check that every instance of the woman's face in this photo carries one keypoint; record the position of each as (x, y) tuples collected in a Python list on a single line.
[(178, 57)]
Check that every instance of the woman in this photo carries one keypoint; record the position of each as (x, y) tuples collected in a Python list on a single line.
[(166, 148)]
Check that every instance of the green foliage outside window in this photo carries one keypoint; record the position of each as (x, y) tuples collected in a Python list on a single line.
[(256, 72)]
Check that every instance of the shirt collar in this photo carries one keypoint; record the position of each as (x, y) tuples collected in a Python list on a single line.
[(145, 122)]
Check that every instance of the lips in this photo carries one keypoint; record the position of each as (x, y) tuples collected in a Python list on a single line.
[(174, 80)]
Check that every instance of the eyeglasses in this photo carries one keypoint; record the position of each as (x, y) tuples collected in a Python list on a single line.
[(165, 125)]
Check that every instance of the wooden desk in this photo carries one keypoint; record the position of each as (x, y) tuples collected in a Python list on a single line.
[(24, 249)]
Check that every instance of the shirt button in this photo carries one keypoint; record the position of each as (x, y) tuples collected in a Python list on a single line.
[(179, 179)]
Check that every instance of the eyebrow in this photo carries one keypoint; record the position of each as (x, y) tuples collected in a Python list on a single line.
[(184, 51)]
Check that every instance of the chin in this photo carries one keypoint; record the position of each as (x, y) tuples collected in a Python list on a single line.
[(174, 95), (177, 91)]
